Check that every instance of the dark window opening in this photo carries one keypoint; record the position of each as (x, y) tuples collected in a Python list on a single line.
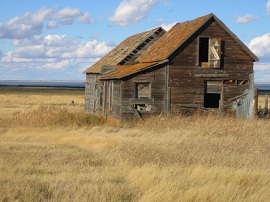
[(210, 52), (211, 100), (203, 51)]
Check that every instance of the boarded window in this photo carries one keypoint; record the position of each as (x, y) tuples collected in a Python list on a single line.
[(214, 52), (142, 90), (209, 52)]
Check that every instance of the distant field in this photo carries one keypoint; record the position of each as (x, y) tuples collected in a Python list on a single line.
[(52, 151), (261, 101), (15, 99)]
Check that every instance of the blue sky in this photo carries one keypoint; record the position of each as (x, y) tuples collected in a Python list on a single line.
[(59, 39)]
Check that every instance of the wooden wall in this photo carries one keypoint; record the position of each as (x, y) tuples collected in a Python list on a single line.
[(91, 99), (156, 77), (184, 86), (187, 79), (113, 98)]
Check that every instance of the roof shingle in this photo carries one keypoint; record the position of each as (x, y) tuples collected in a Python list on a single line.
[(172, 39), (115, 56)]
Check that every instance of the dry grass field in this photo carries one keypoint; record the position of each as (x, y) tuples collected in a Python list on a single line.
[(51, 151)]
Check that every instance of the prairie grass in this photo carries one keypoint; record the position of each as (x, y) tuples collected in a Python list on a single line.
[(51, 153), (14, 100)]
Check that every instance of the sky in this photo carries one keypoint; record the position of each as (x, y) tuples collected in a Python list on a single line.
[(59, 39)]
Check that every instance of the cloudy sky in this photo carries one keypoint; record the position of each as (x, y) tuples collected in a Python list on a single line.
[(58, 39)]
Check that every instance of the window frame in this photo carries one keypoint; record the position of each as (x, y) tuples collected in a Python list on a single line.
[(137, 90), (213, 49)]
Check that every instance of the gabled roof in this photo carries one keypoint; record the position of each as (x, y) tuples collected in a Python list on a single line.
[(172, 39), (179, 34), (123, 50), (163, 48)]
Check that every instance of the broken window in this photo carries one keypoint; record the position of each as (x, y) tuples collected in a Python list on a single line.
[(212, 94), (209, 52), (211, 100), (142, 90)]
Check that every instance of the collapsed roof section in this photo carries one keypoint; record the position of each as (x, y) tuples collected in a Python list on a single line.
[(128, 50)]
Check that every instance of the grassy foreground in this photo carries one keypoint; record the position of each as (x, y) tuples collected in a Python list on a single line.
[(52, 152)]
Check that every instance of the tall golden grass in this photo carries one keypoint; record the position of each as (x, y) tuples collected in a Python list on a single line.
[(52, 153)]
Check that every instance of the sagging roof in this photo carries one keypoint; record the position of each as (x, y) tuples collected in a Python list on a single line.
[(179, 34), (125, 50), (161, 50)]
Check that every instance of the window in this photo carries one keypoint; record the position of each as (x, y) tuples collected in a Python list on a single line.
[(211, 100), (142, 90), (209, 52), (212, 94)]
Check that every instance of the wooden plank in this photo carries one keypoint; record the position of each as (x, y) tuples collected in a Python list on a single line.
[(136, 112), (212, 75), (135, 101), (167, 91), (239, 96), (256, 103)]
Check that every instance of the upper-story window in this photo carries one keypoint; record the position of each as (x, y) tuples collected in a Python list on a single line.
[(209, 52)]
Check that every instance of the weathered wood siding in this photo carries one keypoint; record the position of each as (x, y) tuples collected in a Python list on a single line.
[(90, 93), (156, 77), (113, 98), (187, 78)]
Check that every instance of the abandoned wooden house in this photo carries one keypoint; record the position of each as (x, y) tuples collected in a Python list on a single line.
[(198, 64)]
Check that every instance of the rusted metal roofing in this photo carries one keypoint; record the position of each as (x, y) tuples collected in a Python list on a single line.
[(178, 34), (172, 40), (115, 56), (126, 70), (158, 52)]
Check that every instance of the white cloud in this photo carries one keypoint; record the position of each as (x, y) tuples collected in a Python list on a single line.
[(268, 7), (131, 11), (245, 19), (261, 46), (57, 65), (31, 24), (55, 51), (167, 26), (27, 25), (52, 24), (85, 18), (262, 66), (66, 13)]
